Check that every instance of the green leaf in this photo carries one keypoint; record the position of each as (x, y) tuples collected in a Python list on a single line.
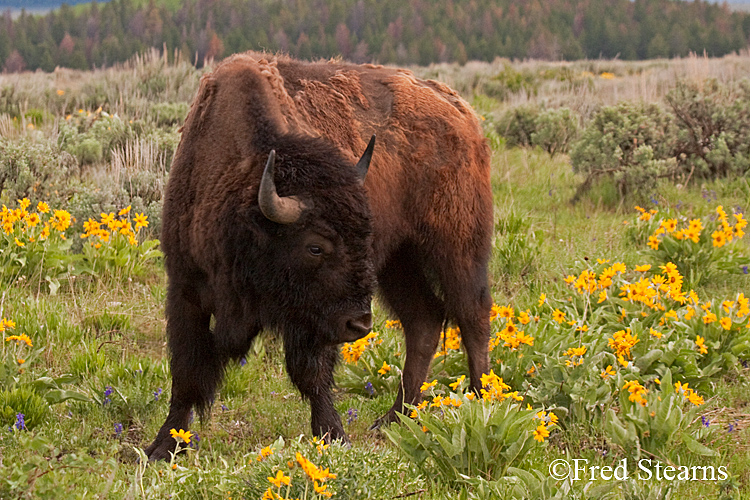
[(697, 447)]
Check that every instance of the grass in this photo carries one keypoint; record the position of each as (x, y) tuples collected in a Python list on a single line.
[(109, 332)]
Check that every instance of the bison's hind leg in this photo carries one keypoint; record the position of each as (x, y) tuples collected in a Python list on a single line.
[(196, 367), (410, 296), (468, 299)]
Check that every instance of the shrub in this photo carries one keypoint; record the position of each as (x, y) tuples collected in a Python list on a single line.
[(714, 127), (629, 142), (34, 169), (518, 124), (552, 130), (169, 113)]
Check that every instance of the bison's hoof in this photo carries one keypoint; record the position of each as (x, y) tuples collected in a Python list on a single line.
[(161, 451), (384, 420)]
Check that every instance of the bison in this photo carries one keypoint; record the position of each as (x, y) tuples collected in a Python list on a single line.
[(269, 222)]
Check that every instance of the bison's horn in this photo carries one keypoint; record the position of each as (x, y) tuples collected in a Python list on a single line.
[(284, 210), (364, 163)]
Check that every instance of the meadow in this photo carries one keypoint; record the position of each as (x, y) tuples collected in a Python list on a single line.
[(620, 331)]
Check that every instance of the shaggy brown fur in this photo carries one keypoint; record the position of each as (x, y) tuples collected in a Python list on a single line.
[(419, 229)]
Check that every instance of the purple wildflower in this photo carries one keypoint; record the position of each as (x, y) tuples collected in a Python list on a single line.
[(731, 428), (118, 429), (369, 388), (243, 362), (224, 407), (744, 269), (108, 391), (706, 422), (157, 393), (194, 441), (20, 421), (352, 415)]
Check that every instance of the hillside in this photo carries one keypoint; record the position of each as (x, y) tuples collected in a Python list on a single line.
[(389, 31)]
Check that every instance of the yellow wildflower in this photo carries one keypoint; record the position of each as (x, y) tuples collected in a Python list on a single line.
[(653, 242), (20, 338), (426, 385), (384, 369), (726, 323), (265, 453), (608, 372), (6, 324), (558, 315), (541, 433), (181, 434), (457, 383), (140, 221), (637, 392), (699, 342), (280, 479), (542, 299)]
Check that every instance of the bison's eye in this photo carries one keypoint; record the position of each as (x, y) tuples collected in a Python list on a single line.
[(315, 250)]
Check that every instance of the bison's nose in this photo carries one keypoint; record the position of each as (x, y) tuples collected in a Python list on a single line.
[(361, 325)]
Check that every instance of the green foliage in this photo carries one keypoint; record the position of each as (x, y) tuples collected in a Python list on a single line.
[(629, 142), (91, 137), (516, 246), (518, 124), (476, 439), (33, 169), (713, 138), (169, 113), (699, 247), (553, 130)]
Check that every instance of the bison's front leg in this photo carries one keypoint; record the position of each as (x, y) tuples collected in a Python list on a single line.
[(196, 367), (311, 370)]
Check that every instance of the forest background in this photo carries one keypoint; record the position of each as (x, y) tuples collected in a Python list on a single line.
[(95, 35)]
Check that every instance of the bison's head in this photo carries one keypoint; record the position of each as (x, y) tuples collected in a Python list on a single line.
[(315, 263)]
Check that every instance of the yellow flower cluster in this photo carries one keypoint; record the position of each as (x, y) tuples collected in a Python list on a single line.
[(317, 476), (589, 282), (576, 356), (645, 216), (720, 237), (450, 339), (510, 335), (649, 292), (496, 388), (726, 233), (353, 351), (547, 420), (622, 341), (110, 225), (439, 401), (688, 393), (28, 227), (20, 338), (6, 324), (637, 392)]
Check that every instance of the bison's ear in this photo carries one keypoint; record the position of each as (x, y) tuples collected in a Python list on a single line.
[(364, 163)]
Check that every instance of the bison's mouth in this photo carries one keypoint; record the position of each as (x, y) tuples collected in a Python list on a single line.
[(355, 327)]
